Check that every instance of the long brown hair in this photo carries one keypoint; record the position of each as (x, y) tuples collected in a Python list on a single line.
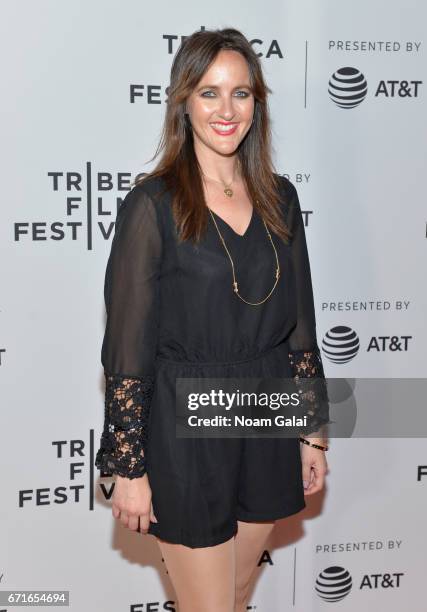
[(178, 164)]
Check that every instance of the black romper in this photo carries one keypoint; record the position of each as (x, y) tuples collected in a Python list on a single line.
[(171, 312)]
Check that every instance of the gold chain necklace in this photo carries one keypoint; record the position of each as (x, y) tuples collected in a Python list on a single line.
[(226, 188), (235, 286)]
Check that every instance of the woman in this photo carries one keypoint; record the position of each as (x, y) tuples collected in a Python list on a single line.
[(209, 276)]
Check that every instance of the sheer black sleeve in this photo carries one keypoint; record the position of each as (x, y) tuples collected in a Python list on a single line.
[(304, 353), (128, 350)]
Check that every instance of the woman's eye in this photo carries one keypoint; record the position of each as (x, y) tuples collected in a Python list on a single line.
[(239, 94)]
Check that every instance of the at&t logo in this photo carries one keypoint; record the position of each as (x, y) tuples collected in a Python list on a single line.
[(348, 87), (341, 344), (335, 582)]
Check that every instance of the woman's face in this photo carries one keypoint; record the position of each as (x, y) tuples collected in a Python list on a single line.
[(221, 106)]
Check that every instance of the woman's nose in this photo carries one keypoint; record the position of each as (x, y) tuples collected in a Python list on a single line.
[(226, 108)]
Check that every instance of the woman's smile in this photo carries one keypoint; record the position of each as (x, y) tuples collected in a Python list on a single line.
[(224, 129)]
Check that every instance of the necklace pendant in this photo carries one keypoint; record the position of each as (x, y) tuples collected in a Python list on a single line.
[(228, 192)]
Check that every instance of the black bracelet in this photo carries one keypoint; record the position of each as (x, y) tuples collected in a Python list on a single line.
[(323, 448)]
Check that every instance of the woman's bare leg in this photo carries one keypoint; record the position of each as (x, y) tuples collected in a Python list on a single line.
[(203, 578), (249, 542)]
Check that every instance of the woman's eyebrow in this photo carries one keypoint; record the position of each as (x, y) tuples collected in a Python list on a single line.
[(243, 85)]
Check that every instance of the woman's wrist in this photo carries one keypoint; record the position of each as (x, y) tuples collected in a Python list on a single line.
[(320, 436), (320, 443), (315, 439)]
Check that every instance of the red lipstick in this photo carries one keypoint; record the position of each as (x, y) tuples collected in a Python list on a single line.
[(224, 132)]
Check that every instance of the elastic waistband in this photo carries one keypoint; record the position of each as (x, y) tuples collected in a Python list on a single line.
[(278, 348)]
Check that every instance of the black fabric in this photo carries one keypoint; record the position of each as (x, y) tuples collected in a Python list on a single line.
[(132, 303), (304, 353), (172, 312)]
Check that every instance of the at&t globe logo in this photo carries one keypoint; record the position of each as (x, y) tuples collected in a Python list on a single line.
[(333, 583), (347, 87), (340, 344)]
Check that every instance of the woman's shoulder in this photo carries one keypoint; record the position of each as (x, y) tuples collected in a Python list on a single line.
[(142, 203), (148, 195), (286, 187), (152, 186), (289, 200)]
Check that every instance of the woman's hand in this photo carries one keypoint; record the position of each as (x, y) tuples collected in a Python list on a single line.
[(131, 502), (314, 468)]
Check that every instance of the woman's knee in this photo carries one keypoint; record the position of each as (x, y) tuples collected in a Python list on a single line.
[(249, 543), (203, 578)]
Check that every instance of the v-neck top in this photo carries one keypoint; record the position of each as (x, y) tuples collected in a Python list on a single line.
[(222, 221), (173, 303)]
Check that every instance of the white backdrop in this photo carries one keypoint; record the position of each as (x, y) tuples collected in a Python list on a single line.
[(83, 99)]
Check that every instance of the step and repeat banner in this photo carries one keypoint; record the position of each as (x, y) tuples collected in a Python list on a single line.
[(83, 100)]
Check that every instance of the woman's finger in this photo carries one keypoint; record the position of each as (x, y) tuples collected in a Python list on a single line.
[(144, 522), (133, 522), (308, 486), (317, 479), (152, 515), (306, 473), (124, 518), (116, 511)]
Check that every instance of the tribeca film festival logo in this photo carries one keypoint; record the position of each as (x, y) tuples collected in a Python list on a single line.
[(262, 48), (348, 87), (341, 344), (88, 204), (152, 93), (77, 459), (335, 582)]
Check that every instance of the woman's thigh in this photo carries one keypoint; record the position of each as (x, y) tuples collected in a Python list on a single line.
[(203, 578), (249, 544)]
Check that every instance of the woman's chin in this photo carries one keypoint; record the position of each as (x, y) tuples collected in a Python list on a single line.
[(226, 148)]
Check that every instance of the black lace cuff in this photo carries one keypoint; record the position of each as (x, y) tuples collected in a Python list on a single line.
[(309, 377), (127, 403)]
